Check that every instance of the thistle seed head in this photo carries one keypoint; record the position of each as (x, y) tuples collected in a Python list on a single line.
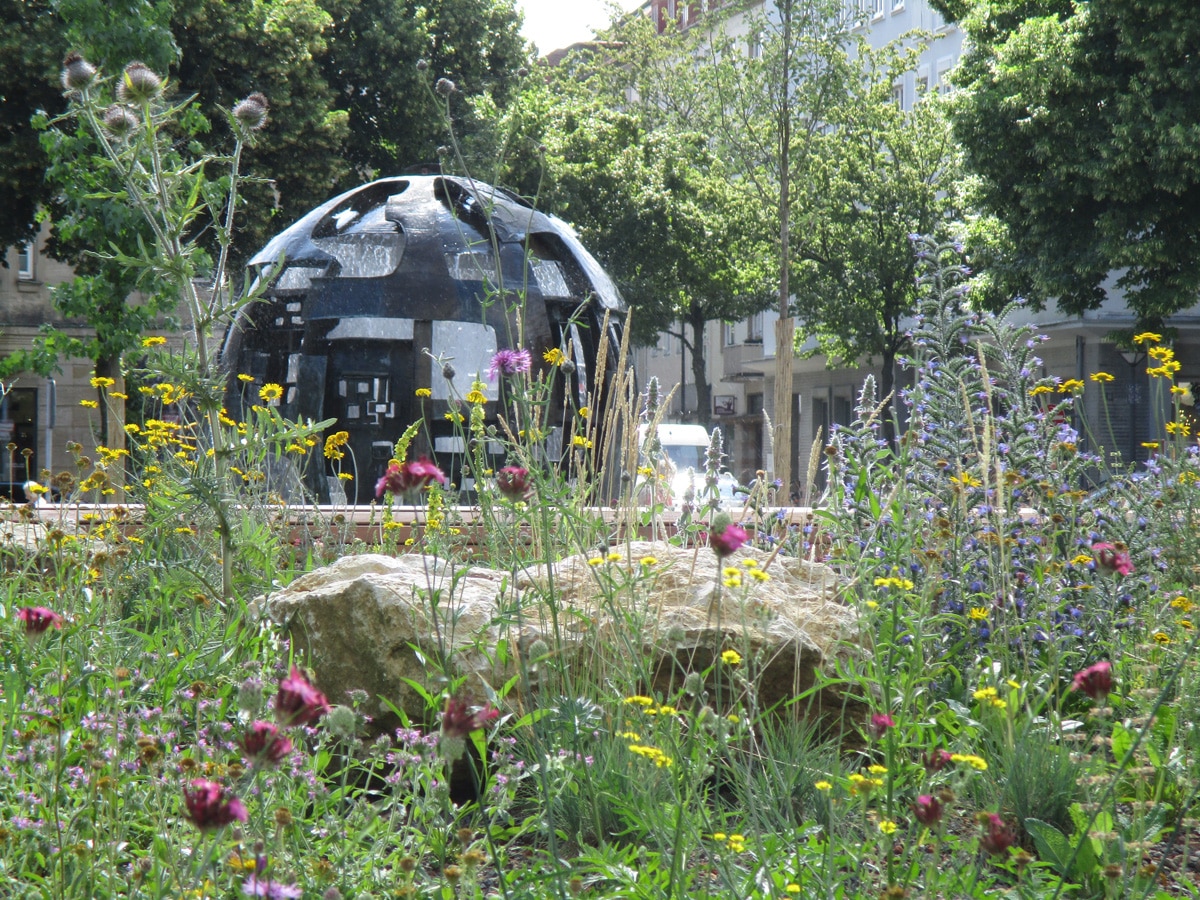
[(251, 113), (139, 83), (119, 120), (77, 72)]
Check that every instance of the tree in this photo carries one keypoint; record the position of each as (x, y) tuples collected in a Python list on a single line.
[(1080, 120), (765, 112), (31, 52), (682, 238), (346, 98), (680, 233), (877, 175)]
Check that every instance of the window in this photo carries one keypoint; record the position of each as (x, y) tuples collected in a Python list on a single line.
[(730, 338), (878, 9), (754, 47), (26, 257), (898, 94), (754, 329)]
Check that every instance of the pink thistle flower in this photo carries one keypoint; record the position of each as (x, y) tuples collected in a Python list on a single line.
[(298, 702), (927, 810), (1095, 681), (37, 619), (509, 362), (404, 478), (458, 721), (1112, 558), (879, 724), (997, 837), (726, 539), (937, 759), (513, 482), (263, 743), (210, 806)]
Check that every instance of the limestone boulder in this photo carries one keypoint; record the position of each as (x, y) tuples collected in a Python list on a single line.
[(377, 623)]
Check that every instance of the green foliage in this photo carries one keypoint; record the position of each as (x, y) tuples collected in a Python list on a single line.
[(1077, 119), (874, 178)]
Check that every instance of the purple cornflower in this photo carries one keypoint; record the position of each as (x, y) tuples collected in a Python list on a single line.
[(509, 362)]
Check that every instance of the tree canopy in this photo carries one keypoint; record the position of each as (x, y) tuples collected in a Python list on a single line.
[(1081, 121), (346, 98)]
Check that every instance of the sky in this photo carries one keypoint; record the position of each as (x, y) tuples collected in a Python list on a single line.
[(552, 24)]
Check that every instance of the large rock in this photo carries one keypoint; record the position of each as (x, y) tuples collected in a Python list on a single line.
[(374, 623)]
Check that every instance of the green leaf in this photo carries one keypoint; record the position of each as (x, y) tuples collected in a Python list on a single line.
[(1052, 845)]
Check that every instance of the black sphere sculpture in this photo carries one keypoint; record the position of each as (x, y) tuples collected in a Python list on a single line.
[(414, 283)]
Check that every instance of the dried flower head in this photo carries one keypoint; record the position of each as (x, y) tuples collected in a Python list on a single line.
[(445, 87), (251, 113), (119, 120), (77, 72)]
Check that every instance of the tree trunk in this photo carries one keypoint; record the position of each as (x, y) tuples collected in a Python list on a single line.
[(700, 373), (887, 384), (785, 327)]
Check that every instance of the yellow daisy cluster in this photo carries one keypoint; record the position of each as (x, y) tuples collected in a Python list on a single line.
[(901, 584), (660, 759), (731, 577), (975, 762), (334, 444), (989, 696), (166, 393), (862, 785), (735, 842), (554, 357)]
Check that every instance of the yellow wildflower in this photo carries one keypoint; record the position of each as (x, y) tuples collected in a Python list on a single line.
[(1041, 389), (823, 786), (424, 393), (978, 613), (270, 392), (245, 379), (1147, 336), (153, 341), (731, 658), (1101, 377), (1070, 386), (975, 762), (1177, 428), (583, 412), (90, 404), (100, 382), (580, 441), (554, 356), (887, 826), (476, 397)]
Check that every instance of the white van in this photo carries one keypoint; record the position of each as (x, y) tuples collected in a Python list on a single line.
[(686, 446)]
